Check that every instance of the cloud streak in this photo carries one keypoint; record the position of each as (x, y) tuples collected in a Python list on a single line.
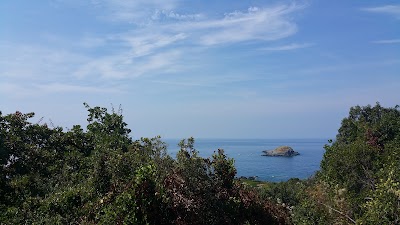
[(126, 66), (156, 44), (157, 48), (71, 88), (17, 90), (388, 41), (35, 63), (289, 47), (255, 24), (393, 10), (147, 43), (137, 12)]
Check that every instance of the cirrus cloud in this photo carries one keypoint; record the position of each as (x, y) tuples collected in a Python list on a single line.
[(288, 47), (387, 41), (393, 10)]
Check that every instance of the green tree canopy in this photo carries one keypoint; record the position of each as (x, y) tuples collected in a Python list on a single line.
[(99, 175)]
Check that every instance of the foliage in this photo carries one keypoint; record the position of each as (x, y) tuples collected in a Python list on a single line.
[(359, 177), (384, 204), (290, 193), (101, 176)]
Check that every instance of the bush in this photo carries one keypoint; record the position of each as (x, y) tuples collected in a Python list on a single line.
[(101, 176)]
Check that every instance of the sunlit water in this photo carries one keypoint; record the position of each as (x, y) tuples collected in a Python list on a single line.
[(250, 162)]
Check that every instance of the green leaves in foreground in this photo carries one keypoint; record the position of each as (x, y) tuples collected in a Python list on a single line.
[(360, 172), (101, 176)]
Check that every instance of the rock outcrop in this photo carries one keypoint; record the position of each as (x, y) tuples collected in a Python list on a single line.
[(285, 151)]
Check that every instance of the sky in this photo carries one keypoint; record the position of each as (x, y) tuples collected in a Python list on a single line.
[(207, 69)]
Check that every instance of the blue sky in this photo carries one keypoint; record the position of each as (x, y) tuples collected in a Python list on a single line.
[(222, 69)]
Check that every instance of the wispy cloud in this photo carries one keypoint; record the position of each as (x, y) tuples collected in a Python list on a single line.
[(17, 90), (158, 47), (72, 88), (160, 15), (256, 23), (138, 11), (177, 83), (126, 66), (156, 44), (344, 67), (288, 47), (262, 24), (35, 63), (148, 43), (388, 41), (393, 10)]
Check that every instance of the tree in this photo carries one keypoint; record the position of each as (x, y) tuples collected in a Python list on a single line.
[(366, 145), (101, 176)]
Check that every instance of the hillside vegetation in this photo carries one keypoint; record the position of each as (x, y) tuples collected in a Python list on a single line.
[(359, 180), (99, 175)]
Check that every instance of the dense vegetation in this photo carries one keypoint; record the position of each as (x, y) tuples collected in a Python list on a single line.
[(99, 175), (359, 180)]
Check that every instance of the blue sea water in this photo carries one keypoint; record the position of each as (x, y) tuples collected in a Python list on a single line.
[(250, 162)]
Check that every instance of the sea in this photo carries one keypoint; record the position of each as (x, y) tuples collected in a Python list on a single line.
[(249, 161)]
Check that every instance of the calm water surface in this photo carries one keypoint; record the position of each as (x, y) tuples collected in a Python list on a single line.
[(250, 162)]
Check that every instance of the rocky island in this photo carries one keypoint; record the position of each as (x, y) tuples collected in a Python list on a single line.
[(285, 151)]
